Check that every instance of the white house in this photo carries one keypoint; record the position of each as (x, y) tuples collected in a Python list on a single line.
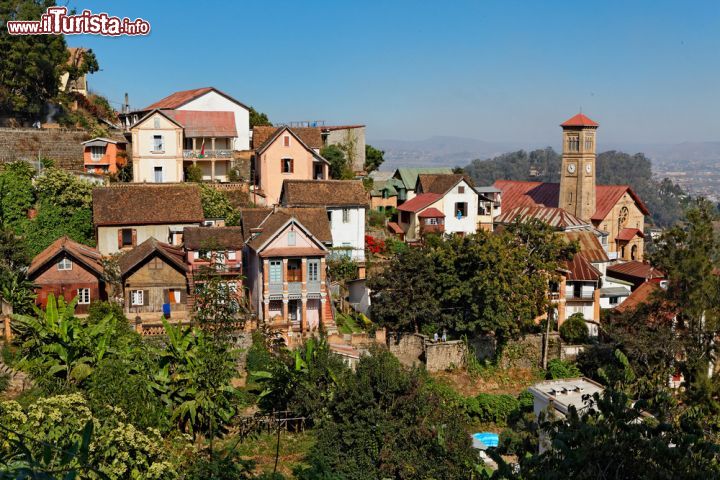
[(345, 201), (444, 203)]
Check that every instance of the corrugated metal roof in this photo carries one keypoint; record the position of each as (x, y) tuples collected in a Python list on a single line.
[(636, 269), (204, 124), (409, 175), (555, 217), (579, 269), (419, 202), (590, 246), (627, 234)]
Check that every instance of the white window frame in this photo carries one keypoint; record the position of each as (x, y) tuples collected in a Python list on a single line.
[(158, 146), (346, 215), (97, 152), (83, 295), (232, 255), (137, 298), (64, 264)]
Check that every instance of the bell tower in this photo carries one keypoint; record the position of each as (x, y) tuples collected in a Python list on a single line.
[(577, 178)]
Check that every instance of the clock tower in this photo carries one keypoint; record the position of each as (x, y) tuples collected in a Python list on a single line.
[(577, 178)]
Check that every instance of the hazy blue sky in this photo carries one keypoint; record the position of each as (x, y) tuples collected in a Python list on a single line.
[(647, 71)]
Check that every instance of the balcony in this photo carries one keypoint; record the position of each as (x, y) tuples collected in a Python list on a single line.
[(313, 287), (209, 155), (294, 288), (581, 297), (437, 228)]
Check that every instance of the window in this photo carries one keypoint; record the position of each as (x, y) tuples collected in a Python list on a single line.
[(434, 221), (286, 140), (64, 264), (573, 144), (287, 165), (173, 295), (83, 296), (127, 237), (461, 210), (157, 143), (461, 189), (294, 270), (155, 264), (313, 268), (291, 239), (158, 175), (614, 300), (405, 217), (633, 252), (97, 153), (196, 255), (137, 297), (276, 271), (231, 255), (346, 215)]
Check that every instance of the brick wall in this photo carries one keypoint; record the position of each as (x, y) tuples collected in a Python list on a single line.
[(61, 145)]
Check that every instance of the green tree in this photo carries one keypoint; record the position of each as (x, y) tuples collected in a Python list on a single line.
[(30, 65), (574, 329), (193, 173), (258, 119), (216, 204), (17, 195), (14, 260), (385, 422), (339, 165), (373, 158)]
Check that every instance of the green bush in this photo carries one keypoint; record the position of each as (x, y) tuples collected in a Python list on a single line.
[(574, 330), (376, 218), (395, 246), (193, 173), (562, 369), (4, 381), (258, 357), (495, 408), (526, 401)]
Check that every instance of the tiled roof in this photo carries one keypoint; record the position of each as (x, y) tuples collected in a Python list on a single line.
[(252, 218), (204, 124), (538, 194), (315, 220), (263, 136), (178, 99), (87, 256), (326, 193), (292, 252), (555, 217), (440, 182), (627, 234), (230, 238), (635, 269), (580, 269), (419, 202), (409, 175), (590, 246), (643, 294), (174, 255), (431, 212), (579, 120), (394, 228), (146, 204)]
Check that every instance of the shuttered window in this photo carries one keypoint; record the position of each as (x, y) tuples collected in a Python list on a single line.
[(313, 269), (276, 271)]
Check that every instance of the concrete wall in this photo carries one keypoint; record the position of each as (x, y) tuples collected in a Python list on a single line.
[(339, 137), (214, 102), (467, 224), (416, 349), (350, 234)]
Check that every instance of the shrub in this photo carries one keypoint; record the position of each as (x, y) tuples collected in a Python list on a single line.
[(495, 408), (376, 218), (526, 401), (193, 173), (574, 329), (342, 267), (374, 245), (258, 357), (562, 369), (395, 246)]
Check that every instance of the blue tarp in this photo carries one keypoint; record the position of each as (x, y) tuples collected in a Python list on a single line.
[(485, 440)]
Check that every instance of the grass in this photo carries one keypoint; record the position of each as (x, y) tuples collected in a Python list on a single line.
[(294, 447), (347, 324), (490, 379)]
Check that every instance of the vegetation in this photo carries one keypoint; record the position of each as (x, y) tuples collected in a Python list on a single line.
[(574, 329), (373, 158), (193, 173), (339, 164), (562, 369), (216, 204), (665, 200), (258, 119)]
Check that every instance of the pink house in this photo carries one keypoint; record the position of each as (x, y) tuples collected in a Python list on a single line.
[(285, 154)]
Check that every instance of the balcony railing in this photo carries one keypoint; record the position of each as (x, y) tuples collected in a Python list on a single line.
[(276, 288), (209, 154), (313, 287), (294, 288), (582, 296)]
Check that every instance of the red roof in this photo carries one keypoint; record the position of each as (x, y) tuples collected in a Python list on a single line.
[(421, 201), (579, 120), (537, 194), (204, 124), (627, 234), (88, 256), (395, 228), (635, 269), (178, 99), (431, 212), (555, 217), (579, 269), (642, 294)]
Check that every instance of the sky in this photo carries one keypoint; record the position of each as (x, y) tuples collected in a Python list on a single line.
[(501, 70)]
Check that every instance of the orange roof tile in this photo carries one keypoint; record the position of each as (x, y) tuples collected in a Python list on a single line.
[(394, 228), (642, 294), (579, 120)]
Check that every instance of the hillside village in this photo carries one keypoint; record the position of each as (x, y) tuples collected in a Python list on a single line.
[(190, 291)]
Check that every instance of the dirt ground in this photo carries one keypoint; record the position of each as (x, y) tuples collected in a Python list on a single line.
[(511, 381)]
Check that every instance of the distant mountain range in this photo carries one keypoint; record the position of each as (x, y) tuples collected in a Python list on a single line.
[(460, 151)]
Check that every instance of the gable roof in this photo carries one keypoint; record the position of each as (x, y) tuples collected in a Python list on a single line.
[(326, 193), (419, 202), (132, 258), (590, 246), (197, 123), (431, 212), (263, 136), (644, 293), (196, 238), (178, 99), (313, 220), (539, 194), (580, 269), (440, 182), (87, 256), (555, 217), (635, 269), (579, 120), (146, 204), (627, 234), (409, 175), (97, 141), (251, 218)]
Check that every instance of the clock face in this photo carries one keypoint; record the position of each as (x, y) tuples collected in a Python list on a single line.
[(571, 167), (588, 168)]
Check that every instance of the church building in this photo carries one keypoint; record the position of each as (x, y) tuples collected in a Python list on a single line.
[(614, 209)]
